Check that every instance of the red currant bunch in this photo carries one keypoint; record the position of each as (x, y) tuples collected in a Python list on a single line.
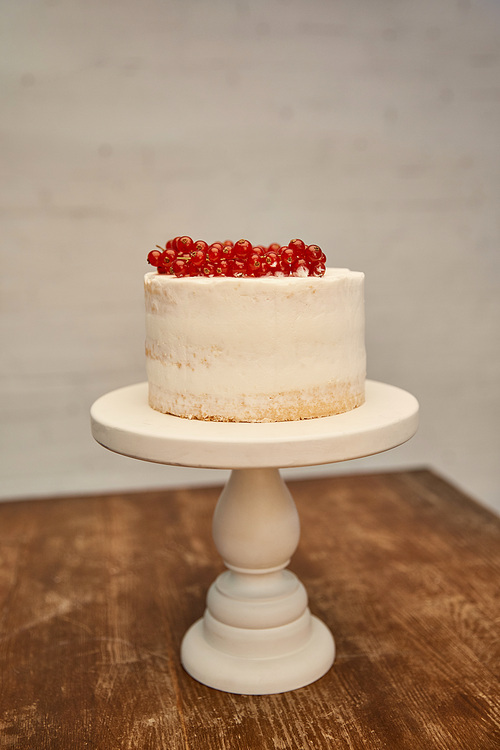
[(182, 256)]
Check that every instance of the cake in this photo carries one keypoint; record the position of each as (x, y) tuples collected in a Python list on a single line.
[(270, 348)]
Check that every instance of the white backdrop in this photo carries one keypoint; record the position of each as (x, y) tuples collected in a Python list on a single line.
[(366, 126)]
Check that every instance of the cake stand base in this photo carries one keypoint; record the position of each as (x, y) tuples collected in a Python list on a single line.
[(258, 675), (257, 635)]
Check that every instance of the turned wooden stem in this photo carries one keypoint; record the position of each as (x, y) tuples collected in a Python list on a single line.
[(256, 525)]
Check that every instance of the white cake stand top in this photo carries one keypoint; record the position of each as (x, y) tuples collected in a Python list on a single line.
[(124, 422)]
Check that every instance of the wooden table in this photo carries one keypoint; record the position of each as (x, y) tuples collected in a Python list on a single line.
[(97, 592)]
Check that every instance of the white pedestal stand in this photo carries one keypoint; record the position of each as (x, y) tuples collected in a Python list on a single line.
[(257, 635)]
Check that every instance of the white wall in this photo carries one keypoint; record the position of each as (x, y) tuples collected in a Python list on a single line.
[(367, 126)]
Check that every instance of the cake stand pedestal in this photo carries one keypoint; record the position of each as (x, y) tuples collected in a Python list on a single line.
[(257, 635)]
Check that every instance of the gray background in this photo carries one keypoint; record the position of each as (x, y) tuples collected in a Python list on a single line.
[(368, 127)]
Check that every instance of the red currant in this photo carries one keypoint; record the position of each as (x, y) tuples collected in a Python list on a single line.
[(154, 257), (207, 269), (164, 269), (180, 267), (254, 264), (167, 258), (313, 253), (226, 252), (200, 245), (274, 247), (264, 268), (223, 267), (287, 256), (230, 267), (197, 258), (242, 249), (239, 267), (214, 252), (271, 259), (318, 269), (184, 245), (298, 246)]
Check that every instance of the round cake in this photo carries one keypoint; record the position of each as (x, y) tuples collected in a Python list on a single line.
[(247, 349)]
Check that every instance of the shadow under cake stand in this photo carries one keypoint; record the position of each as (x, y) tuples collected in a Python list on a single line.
[(257, 635)]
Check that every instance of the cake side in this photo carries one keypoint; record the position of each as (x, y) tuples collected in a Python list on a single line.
[(247, 349), (279, 407)]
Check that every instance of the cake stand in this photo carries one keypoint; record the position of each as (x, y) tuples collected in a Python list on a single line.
[(257, 635)]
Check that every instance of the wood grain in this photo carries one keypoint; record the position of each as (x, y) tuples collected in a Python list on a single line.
[(96, 593)]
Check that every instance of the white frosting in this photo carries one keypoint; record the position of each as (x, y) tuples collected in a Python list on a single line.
[(255, 349)]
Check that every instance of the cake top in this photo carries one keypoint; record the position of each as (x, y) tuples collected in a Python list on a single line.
[(183, 256)]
